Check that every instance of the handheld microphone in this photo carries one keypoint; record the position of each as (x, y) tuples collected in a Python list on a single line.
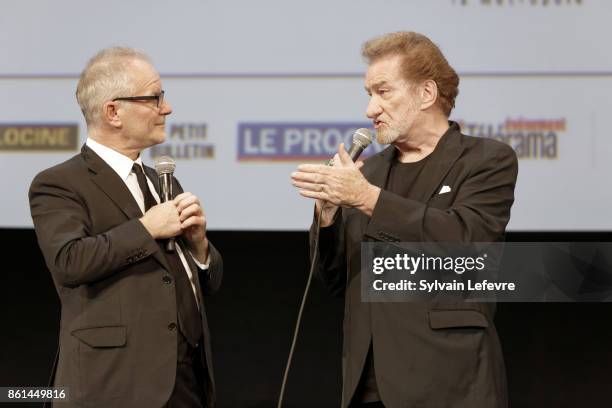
[(164, 166), (362, 138)]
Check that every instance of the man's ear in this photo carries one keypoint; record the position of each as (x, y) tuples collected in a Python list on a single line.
[(110, 114), (428, 93)]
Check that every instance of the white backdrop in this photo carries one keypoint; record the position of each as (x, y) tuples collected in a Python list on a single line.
[(292, 64)]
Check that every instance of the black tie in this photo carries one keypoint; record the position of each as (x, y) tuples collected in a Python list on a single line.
[(190, 322), (144, 187)]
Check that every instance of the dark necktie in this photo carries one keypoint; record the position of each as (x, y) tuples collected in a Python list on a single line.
[(190, 322), (144, 187)]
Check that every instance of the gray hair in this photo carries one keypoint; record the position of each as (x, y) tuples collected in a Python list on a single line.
[(106, 76)]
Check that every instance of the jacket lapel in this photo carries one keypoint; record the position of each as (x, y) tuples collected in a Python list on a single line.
[(110, 182), (441, 160), (112, 185)]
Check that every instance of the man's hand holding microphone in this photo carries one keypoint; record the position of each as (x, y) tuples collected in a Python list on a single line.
[(341, 184)]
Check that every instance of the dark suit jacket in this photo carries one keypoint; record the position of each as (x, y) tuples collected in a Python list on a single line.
[(425, 355), (117, 347)]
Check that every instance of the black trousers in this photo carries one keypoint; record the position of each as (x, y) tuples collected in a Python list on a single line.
[(188, 389)]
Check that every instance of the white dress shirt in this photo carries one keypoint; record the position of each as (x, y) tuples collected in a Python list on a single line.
[(122, 165)]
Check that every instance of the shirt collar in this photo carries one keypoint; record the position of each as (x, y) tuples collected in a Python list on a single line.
[(121, 164)]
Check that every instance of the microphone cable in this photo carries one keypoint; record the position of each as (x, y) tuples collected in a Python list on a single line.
[(299, 318), (362, 138)]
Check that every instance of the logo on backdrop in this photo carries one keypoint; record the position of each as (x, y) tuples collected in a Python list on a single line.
[(498, 3), (530, 138), (39, 136), (296, 141), (185, 141)]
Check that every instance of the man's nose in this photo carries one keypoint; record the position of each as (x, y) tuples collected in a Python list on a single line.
[(166, 108), (373, 109)]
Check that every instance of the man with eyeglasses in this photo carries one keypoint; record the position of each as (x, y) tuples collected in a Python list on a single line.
[(133, 328)]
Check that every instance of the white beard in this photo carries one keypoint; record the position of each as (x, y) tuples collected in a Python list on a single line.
[(387, 135)]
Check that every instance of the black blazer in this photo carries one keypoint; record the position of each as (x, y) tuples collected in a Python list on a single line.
[(117, 345), (425, 355)]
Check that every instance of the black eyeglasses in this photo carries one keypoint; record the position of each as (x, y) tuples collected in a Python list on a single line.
[(158, 98)]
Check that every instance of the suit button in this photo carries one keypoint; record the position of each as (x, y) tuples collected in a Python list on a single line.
[(172, 326), (167, 279)]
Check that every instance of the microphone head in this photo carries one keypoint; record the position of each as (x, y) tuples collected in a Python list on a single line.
[(164, 165), (362, 137)]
